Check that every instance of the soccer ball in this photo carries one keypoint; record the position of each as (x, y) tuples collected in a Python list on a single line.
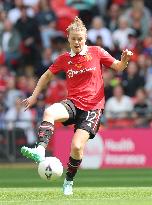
[(50, 169)]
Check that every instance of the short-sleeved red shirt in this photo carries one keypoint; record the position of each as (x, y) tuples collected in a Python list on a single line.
[(84, 76)]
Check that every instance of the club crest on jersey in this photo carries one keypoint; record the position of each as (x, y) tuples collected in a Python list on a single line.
[(88, 57), (78, 65)]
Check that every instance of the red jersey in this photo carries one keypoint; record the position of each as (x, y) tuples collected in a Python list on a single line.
[(84, 76)]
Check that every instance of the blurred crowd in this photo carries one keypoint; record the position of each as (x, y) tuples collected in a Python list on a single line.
[(32, 35)]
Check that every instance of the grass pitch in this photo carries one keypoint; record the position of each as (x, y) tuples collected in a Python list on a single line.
[(21, 185)]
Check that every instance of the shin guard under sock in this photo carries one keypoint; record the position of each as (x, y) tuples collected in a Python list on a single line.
[(45, 132)]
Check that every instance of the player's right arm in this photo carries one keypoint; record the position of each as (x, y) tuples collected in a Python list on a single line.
[(42, 83)]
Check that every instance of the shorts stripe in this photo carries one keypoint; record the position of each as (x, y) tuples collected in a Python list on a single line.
[(97, 119)]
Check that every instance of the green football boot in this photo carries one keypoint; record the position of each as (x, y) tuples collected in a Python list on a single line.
[(33, 153)]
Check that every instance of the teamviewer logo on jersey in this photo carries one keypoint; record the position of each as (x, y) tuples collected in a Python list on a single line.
[(71, 73)]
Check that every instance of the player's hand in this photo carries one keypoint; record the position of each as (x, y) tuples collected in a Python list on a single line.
[(29, 102), (126, 55)]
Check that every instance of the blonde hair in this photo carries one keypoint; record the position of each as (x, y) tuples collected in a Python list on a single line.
[(76, 25)]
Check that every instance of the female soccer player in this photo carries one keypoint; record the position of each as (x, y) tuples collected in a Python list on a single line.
[(85, 101)]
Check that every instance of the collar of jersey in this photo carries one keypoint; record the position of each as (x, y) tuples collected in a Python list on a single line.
[(82, 53)]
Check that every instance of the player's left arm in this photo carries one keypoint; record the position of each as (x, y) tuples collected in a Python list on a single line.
[(122, 64)]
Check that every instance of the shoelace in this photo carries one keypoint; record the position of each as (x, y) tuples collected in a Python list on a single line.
[(69, 183)]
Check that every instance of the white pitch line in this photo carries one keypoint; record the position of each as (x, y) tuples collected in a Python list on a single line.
[(70, 199)]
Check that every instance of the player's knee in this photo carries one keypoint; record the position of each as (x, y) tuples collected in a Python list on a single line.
[(48, 113), (76, 148)]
